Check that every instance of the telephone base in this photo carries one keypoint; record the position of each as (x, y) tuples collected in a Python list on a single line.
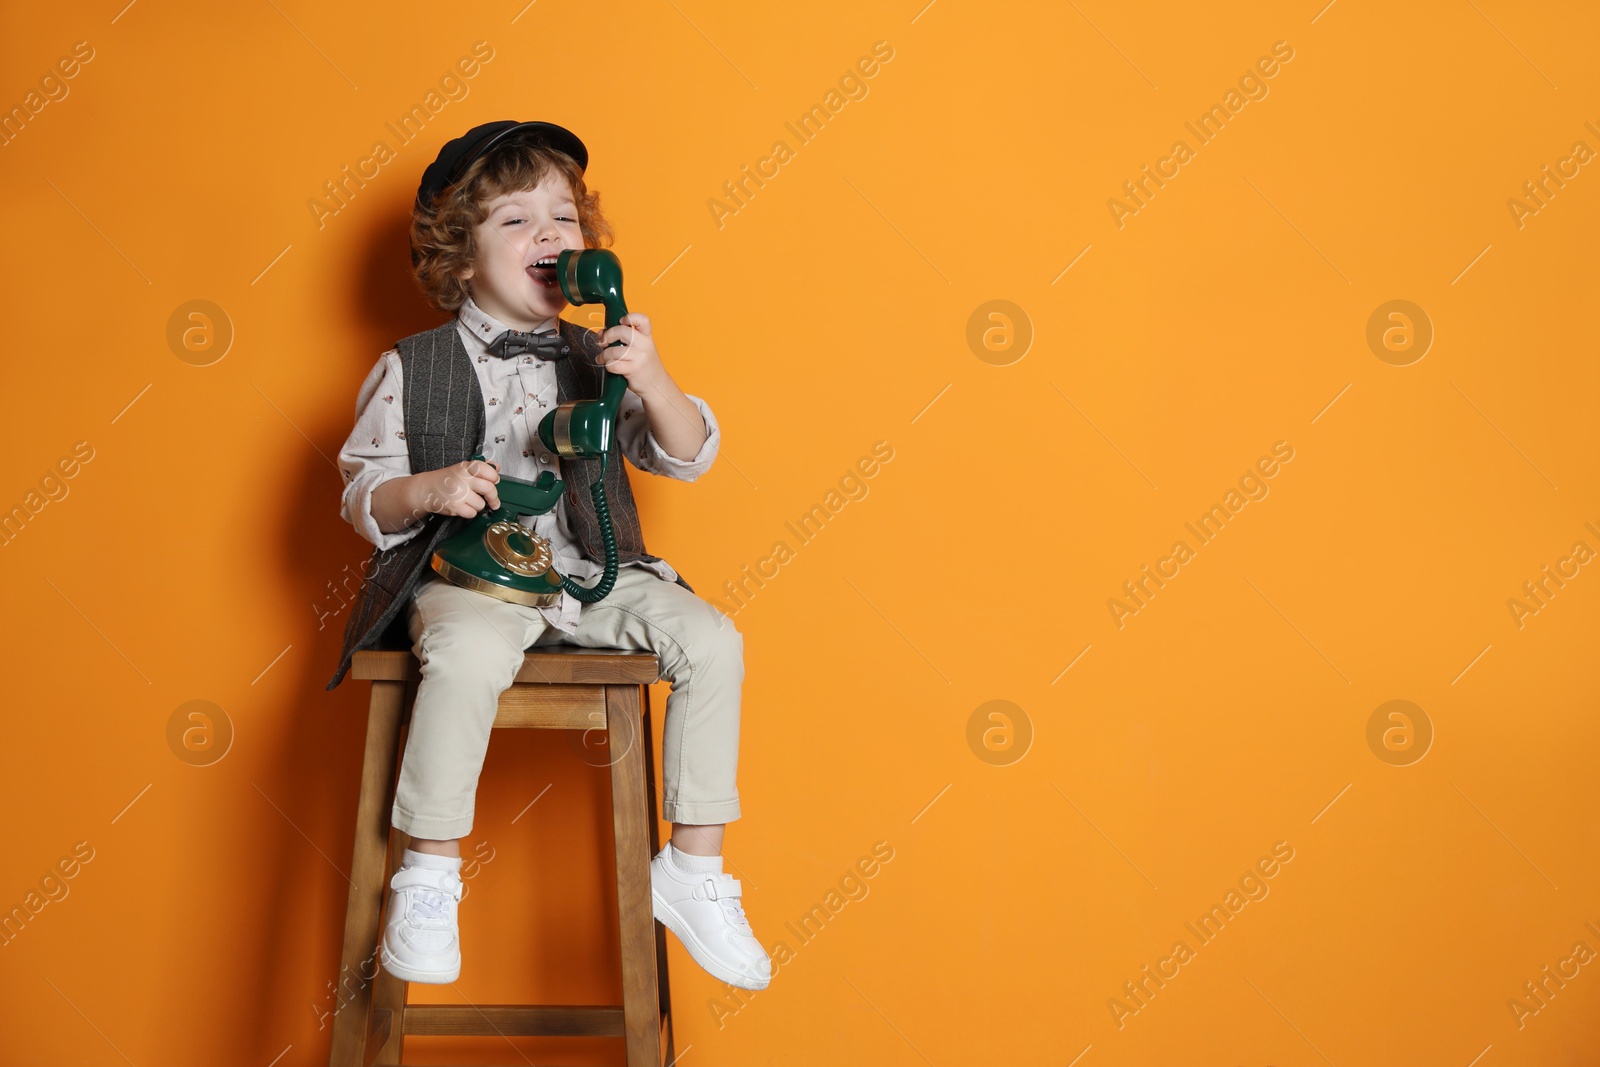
[(468, 580)]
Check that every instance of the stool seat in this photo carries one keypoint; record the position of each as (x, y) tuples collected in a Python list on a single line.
[(558, 687)]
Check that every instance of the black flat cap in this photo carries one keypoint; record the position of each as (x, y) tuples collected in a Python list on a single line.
[(457, 155)]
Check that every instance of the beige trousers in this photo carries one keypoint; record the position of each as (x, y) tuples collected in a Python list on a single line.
[(470, 646)]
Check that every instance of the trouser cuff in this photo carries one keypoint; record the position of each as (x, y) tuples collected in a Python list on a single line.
[(435, 829), (701, 813)]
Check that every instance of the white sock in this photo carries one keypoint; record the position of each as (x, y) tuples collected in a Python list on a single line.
[(689, 863), (427, 859)]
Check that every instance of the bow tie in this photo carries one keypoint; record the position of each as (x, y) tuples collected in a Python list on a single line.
[(548, 345)]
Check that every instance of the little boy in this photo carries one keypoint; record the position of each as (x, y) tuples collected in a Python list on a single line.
[(497, 202)]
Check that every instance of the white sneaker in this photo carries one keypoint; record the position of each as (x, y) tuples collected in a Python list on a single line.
[(420, 939), (704, 911)]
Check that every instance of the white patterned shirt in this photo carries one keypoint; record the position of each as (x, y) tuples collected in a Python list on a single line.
[(517, 393)]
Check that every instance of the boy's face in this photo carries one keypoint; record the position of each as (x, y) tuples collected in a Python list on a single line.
[(520, 229)]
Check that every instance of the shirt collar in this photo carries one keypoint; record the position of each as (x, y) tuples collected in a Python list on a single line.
[(484, 327)]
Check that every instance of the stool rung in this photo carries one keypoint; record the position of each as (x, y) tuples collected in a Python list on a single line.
[(515, 1020)]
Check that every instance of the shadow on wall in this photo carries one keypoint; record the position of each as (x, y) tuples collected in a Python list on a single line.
[(316, 777)]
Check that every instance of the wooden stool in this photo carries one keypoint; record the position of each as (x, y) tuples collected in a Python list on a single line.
[(559, 687)]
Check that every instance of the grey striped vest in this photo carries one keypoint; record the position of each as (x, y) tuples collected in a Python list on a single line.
[(445, 424)]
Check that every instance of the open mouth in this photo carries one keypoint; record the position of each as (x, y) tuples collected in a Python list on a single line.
[(543, 272)]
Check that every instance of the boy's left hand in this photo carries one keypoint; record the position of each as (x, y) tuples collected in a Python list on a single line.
[(637, 359)]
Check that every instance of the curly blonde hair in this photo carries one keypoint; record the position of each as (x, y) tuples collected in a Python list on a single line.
[(442, 231)]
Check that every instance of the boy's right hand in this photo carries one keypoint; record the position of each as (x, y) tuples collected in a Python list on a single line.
[(462, 489)]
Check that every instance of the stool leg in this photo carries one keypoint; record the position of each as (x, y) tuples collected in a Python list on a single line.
[(631, 833), (358, 963), (389, 992), (654, 816)]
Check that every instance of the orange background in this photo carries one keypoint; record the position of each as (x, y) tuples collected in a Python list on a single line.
[(193, 555)]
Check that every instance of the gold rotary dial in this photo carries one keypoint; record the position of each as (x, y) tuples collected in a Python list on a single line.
[(517, 549)]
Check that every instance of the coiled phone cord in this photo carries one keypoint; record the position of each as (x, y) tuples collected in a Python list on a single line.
[(590, 594)]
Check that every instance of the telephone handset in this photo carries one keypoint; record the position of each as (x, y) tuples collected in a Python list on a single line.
[(495, 554)]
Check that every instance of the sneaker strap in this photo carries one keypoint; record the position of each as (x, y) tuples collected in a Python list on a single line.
[(427, 878), (724, 885)]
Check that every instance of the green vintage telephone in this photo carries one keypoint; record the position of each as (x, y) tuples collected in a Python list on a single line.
[(495, 554)]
